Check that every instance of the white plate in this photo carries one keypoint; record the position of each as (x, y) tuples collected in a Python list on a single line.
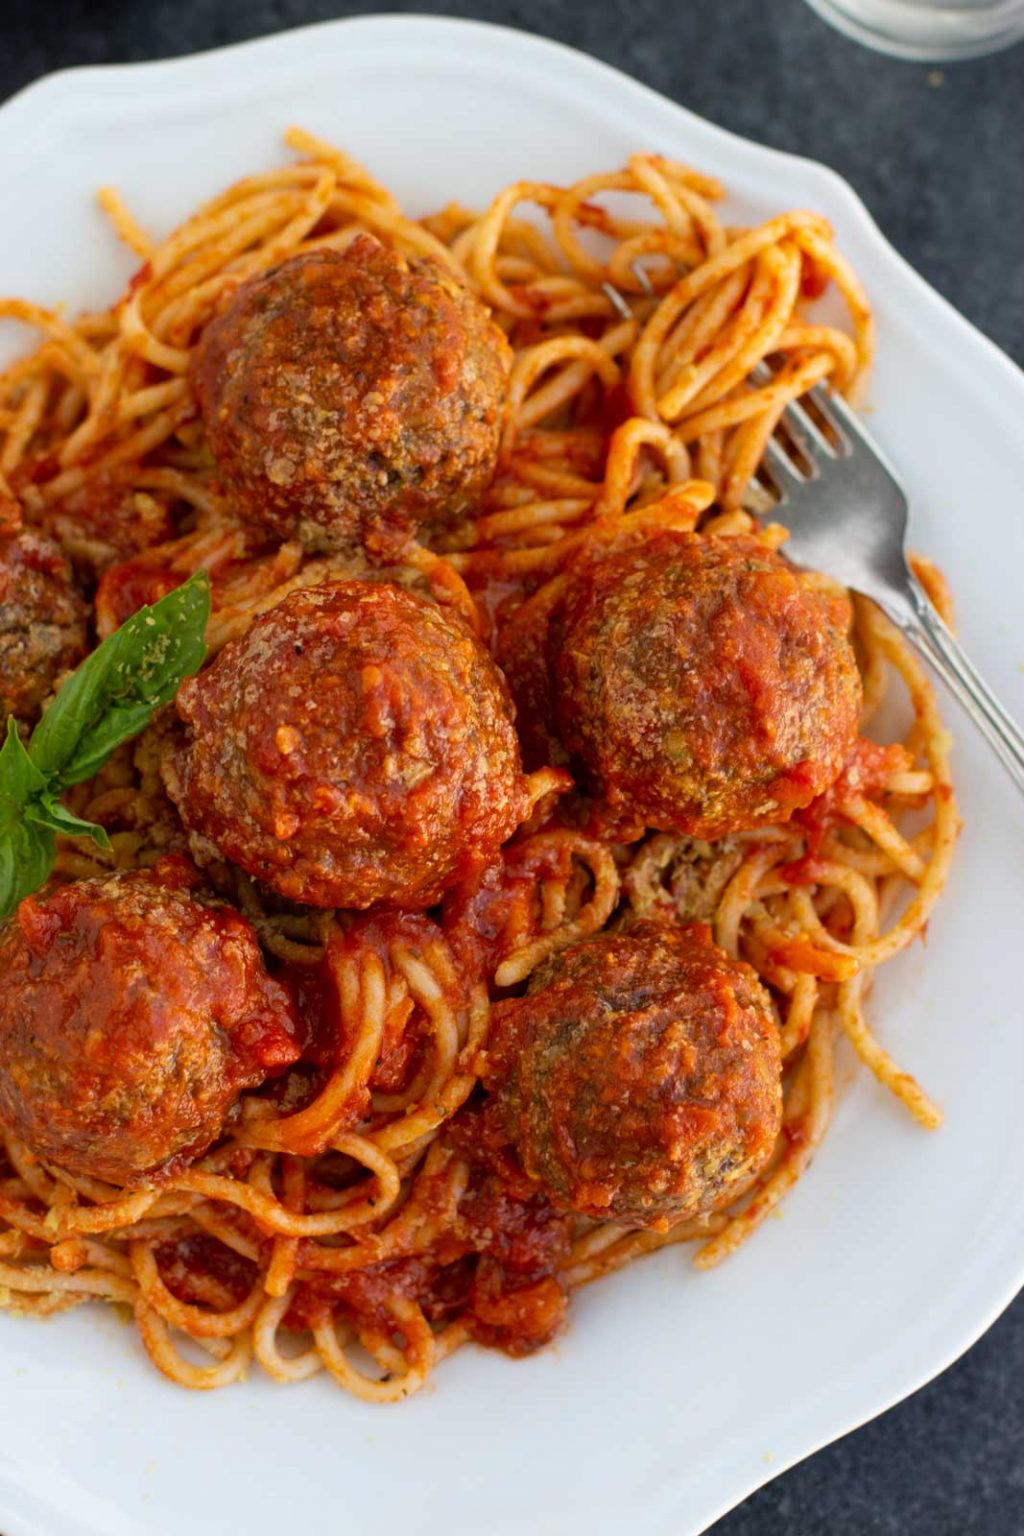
[(674, 1394)]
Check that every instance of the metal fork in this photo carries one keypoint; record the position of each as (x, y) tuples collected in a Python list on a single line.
[(847, 515)]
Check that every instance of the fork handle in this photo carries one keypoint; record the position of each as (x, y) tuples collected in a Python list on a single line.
[(923, 626)]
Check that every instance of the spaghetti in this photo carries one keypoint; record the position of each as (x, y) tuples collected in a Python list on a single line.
[(305, 1240)]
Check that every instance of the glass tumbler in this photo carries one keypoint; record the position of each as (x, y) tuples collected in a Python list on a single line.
[(928, 29)]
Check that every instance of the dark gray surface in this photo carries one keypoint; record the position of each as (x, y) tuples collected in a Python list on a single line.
[(939, 158)]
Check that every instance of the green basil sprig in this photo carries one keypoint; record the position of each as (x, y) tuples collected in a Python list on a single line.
[(109, 699)]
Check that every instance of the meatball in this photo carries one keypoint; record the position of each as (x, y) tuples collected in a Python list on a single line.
[(349, 397), (42, 623), (700, 685), (640, 1076), (133, 1012), (356, 745)]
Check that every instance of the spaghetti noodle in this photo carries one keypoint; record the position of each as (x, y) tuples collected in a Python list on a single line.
[(304, 1241)]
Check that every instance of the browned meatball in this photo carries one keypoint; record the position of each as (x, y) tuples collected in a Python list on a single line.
[(640, 1076), (355, 746), (349, 397), (701, 685), (133, 1013), (42, 623)]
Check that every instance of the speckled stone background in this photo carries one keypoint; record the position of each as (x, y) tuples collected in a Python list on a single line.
[(938, 155)]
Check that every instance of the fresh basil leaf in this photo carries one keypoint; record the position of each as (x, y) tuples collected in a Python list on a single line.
[(113, 695), (47, 811), (109, 699), (26, 858), (20, 779), (120, 722)]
